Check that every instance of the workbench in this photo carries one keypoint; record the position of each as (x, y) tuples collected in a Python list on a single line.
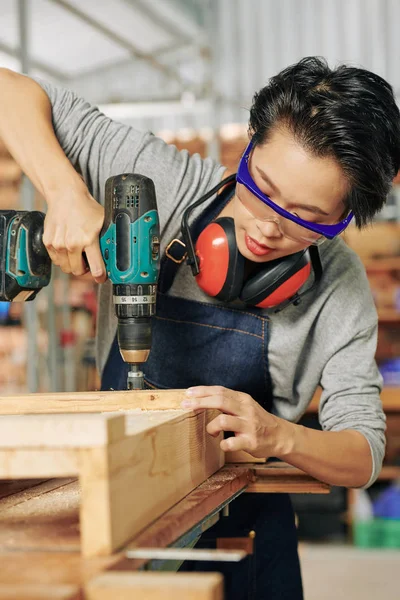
[(52, 547)]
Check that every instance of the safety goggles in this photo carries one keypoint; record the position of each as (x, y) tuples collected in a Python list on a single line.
[(264, 209)]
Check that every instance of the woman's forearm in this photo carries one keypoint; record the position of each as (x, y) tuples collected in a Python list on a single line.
[(335, 457), (74, 219), (27, 131)]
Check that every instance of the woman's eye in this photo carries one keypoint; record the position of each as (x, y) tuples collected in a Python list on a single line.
[(305, 217)]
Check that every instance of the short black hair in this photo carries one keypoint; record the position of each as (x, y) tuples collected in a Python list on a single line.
[(347, 113)]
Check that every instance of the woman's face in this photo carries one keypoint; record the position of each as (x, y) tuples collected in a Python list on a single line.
[(312, 188)]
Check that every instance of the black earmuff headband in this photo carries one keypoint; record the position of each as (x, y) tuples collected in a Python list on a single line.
[(192, 259)]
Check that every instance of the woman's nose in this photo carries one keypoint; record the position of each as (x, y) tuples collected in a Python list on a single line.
[(269, 228)]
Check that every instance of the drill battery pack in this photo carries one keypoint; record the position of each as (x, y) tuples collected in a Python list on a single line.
[(25, 266)]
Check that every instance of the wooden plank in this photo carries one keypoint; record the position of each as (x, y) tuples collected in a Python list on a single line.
[(281, 477), (196, 506), (89, 402), (60, 431), (13, 487), (50, 568), (186, 514), (38, 456), (24, 490), (16, 463), (121, 479), (155, 586), (130, 483), (19, 591), (46, 518)]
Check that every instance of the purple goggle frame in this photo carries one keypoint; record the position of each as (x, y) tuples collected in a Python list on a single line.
[(243, 176)]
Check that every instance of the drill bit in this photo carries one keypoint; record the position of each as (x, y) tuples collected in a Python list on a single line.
[(135, 377)]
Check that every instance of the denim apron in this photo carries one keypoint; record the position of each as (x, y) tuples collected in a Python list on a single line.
[(196, 343)]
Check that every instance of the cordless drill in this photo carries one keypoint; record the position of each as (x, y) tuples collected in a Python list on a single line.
[(130, 247)]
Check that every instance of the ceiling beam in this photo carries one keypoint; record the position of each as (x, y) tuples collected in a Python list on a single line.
[(154, 16), (123, 43), (35, 64), (173, 12), (125, 62)]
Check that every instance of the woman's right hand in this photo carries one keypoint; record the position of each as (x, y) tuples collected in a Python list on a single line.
[(72, 227)]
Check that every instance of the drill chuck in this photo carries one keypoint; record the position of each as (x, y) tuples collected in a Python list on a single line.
[(134, 339)]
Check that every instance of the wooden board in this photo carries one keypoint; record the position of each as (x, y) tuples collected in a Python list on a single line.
[(140, 466), (193, 509), (156, 586), (91, 402), (280, 477), (135, 480), (12, 488), (43, 518), (39, 591), (50, 568), (30, 431)]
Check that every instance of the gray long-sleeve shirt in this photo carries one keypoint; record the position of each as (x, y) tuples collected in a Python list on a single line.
[(329, 340)]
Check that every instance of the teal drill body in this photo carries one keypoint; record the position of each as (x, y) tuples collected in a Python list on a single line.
[(130, 245)]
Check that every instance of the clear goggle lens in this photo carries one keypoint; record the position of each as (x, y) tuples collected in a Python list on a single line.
[(263, 212)]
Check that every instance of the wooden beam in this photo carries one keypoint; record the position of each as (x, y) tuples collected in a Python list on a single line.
[(91, 402), (133, 481), (134, 467), (281, 477), (11, 489), (25, 463), (45, 516), (197, 506), (38, 591), (63, 431), (49, 568), (155, 586)]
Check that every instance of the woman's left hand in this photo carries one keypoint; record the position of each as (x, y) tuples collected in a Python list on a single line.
[(255, 430)]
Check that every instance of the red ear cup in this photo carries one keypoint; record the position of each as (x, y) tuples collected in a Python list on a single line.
[(221, 264), (278, 280), (222, 270), (288, 289)]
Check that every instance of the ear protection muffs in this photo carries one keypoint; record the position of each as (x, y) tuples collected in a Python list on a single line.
[(222, 270), (219, 268)]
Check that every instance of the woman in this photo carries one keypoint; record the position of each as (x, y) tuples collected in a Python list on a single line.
[(324, 147)]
